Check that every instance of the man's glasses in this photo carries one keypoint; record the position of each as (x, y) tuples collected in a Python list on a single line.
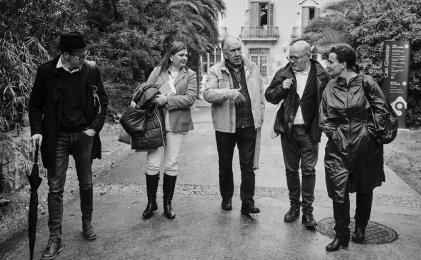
[(296, 58), (82, 57)]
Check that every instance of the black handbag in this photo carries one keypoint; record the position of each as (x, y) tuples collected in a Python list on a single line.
[(133, 120), (391, 125)]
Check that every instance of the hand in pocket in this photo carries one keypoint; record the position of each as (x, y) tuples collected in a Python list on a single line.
[(339, 140)]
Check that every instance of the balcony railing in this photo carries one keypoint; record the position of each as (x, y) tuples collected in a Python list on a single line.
[(259, 32)]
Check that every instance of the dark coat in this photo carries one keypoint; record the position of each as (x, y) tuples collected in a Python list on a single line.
[(353, 158), (154, 134), (309, 102), (45, 107)]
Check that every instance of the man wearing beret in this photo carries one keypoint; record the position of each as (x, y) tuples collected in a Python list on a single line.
[(67, 109)]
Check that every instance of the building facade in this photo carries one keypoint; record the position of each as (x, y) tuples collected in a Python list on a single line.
[(265, 28), (270, 27)]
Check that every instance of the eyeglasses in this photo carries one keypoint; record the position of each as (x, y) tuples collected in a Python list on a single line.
[(296, 58), (82, 57)]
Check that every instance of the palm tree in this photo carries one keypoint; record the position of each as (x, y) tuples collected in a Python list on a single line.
[(199, 25)]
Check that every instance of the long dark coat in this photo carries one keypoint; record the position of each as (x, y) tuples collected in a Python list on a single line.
[(353, 158), (45, 107)]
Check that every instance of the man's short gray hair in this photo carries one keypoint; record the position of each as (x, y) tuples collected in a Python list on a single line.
[(226, 38)]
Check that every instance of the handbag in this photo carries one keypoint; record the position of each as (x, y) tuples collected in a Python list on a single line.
[(133, 120), (273, 133), (391, 125), (124, 137)]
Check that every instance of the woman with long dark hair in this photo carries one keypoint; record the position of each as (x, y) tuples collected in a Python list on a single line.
[(177, 85), (353, 157)]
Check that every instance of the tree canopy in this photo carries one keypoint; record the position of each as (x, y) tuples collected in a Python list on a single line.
[(365, 25), (127, 39)]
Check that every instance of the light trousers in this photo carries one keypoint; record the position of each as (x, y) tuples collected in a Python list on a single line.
[(168, 155)]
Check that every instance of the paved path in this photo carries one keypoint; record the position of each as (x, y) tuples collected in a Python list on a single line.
[(201, 230)]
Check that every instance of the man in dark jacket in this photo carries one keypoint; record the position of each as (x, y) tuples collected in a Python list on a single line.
[(300, 85), (66, 112)]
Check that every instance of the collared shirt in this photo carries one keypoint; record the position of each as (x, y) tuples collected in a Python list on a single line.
[(301, 77), (61, 65)]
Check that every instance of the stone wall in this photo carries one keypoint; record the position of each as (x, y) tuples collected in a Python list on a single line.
[(16, 154)]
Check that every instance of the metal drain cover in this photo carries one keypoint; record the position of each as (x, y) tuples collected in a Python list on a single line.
[(375, 233)]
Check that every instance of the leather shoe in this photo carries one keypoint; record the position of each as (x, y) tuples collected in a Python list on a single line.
[(308, 220), (359, 235), (292, 214), (226, 204), (87, 230), (250, 210), (336, 244), (54, 247)]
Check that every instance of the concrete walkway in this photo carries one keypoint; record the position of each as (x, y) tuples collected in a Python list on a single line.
[(201, 230)]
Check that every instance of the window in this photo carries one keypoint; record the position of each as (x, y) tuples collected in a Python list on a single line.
[(205, 63), (263, 65), (255, 59), (312, 13), (260, 57), (218, 54), (209, 59), (263, 14)]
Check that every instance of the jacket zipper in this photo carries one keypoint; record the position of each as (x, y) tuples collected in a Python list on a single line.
[(349, 114), (160, 125)]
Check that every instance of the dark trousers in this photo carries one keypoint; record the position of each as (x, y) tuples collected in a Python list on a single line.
[(79, 145), (299, 148), (245, 139), (362, 214)]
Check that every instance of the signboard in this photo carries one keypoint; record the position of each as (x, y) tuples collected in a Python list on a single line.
[(395, 72)]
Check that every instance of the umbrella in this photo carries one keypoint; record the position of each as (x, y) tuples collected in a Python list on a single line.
[(34, 181)]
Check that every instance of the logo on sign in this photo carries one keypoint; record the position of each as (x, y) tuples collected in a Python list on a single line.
[(399, 105)]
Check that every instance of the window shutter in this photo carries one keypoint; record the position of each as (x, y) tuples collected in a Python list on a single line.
[(270, 14), (317, 12), (254, 14), (305, 14)]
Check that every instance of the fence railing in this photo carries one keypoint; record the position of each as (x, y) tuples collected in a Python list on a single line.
[(259, 32)]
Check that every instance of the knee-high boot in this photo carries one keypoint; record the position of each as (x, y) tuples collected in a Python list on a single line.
[(168, 187), (151, 187), (362, 216)]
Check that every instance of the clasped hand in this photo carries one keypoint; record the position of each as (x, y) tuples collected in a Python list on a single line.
[(161, 100), (237, 97)]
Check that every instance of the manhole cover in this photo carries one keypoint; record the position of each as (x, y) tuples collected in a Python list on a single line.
[(375, 233)]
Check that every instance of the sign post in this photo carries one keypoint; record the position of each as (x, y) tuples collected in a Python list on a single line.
[(395, 72)]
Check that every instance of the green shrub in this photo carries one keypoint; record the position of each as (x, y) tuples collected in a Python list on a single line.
[(18, 63)]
